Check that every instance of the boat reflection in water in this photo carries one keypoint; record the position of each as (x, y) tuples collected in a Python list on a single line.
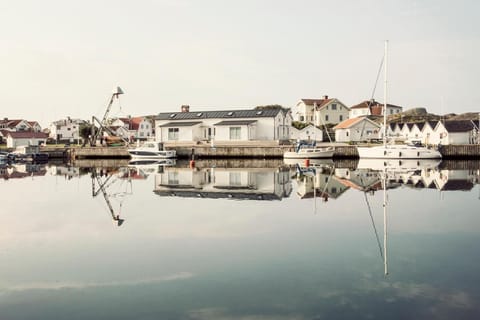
[(240, 180)]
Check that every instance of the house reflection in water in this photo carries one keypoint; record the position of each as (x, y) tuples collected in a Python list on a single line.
[(230, 183), (321, 183)]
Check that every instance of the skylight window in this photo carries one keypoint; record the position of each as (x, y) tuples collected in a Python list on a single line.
[(230, 113), (199, 114), (173, 115), (259, 112)]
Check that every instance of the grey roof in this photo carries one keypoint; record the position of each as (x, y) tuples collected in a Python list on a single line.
[(225, 114), (459, 125), (233, 122), (420, 125), (181, 124)]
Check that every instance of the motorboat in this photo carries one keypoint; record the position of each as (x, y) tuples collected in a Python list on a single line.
[(151, 150), (309, 151)]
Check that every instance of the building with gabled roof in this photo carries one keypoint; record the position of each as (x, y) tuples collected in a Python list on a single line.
[(372, 107), (17, 125), (25, 138), (320, 111), (357, 129), (456, 132), (134, 127)]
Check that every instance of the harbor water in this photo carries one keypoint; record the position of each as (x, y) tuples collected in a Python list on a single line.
[(240, 239)]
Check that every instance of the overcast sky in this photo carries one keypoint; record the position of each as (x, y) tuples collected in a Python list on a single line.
[(62, 58)]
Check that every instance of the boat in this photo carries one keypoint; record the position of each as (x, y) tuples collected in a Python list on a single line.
[(391, 150), (151, 150), (309, 151)]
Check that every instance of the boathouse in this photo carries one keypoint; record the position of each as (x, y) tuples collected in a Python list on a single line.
[(25, 138)]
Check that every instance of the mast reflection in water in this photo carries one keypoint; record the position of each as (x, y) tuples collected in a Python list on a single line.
[(164, 240)]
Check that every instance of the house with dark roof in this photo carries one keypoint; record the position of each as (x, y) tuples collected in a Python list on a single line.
[(320, 111), (357, 129), (456, 132), (25, 138), (372, 107), (226, 126)]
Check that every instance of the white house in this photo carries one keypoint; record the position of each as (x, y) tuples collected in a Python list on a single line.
[(372, 107), (66, 129), (16, 125), (25, 138), (357, 129), (134, 127), (259, 124), (310, 132), (321, 111), (456, 132)]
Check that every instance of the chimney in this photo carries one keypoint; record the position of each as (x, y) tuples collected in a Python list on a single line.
[(185, 108), (325, 97)]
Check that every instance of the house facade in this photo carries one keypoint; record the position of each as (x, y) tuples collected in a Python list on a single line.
[(66, 129), (25, 138), (357, 129), (321, 111), (140, 128), (456, 132), (17, 125), (372, 107), (223, 126)]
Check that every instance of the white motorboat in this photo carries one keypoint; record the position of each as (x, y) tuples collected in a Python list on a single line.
[(309, 151), (394, 151), (151, 150)]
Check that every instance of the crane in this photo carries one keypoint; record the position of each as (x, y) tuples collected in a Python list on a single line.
[(103, 125)]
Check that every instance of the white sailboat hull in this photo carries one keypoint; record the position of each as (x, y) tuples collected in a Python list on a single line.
[(398, 152), (310, 153)]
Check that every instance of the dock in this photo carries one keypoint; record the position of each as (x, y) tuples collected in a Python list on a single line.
[(266, 151)]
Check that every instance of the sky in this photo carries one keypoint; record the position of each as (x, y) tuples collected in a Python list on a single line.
[(62, 58)]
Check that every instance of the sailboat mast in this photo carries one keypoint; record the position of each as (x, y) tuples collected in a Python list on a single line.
[(385, 265), (385, 97)]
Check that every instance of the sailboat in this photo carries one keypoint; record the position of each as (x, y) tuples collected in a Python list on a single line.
[(394, 151), (305, 150)]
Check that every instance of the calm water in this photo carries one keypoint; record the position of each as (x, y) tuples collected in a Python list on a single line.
[(240, 240)]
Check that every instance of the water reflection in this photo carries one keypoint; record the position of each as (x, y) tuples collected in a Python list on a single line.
[(193, 257), (252, 181)]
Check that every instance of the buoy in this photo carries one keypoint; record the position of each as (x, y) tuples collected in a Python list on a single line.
[(307, 162), (192, 164)]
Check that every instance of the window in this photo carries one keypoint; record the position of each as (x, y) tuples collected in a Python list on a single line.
[(141, 126), (302, 118), (340, 118), (334, 106), (172, 133), (326, 117), (235, 133), (347, 133)]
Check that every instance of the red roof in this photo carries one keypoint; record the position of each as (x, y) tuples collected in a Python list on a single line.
[(320, 102), (348, 123), (27, 135)]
